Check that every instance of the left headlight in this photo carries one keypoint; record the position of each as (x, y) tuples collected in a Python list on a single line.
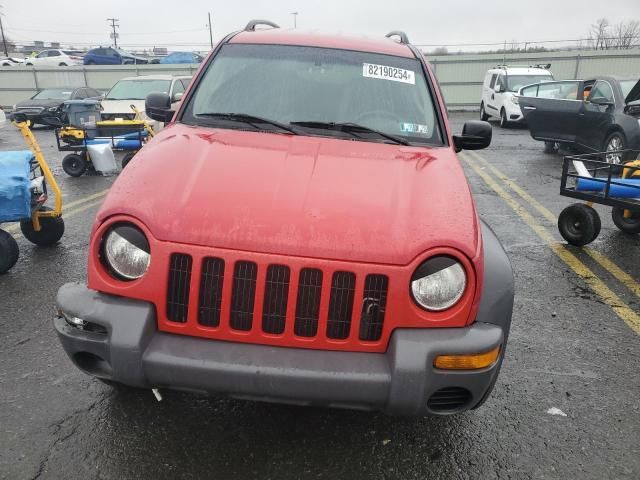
[(514, 99), (126, 251), (438, 283), (52, 109)]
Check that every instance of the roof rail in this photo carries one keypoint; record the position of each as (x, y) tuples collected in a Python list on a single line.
[(399, 33), (546, 66), (251, 26)]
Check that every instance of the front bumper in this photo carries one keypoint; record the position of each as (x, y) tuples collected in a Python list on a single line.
[(128, 349)]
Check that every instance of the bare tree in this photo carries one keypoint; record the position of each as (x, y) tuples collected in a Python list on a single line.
[(599, 35), (626, 34)]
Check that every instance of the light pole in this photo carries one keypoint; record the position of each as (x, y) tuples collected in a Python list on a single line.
[(295, 17)]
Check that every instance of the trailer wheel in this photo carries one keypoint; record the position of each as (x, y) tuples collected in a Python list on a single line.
[(74, 165), (127, 158), (9, 252), (51, 230), (627, 225), (579, 224)]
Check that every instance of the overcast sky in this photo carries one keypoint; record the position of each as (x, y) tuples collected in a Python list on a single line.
[(174, 23)]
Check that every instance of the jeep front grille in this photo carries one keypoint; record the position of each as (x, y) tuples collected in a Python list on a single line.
[(261, 302)]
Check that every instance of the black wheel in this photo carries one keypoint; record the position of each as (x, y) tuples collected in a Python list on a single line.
[(74, 165), (551, 147), (62, 64), (629, 224), (615, 141), (51, 230), (504, 123), (9, 252), (579, 224), (127, 158), (483, 114)]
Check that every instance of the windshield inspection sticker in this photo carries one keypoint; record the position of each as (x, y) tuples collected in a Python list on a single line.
[(414, 128), (383, 72)]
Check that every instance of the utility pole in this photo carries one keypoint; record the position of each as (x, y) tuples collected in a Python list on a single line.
[(4, 40), (295, 17), (114, 34), (210, 30)]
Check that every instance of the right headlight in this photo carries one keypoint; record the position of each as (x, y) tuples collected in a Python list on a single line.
[(126, 251), (438, 283)]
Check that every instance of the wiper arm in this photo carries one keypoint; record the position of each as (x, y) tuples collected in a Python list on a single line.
[(250, 119), (350, 127)]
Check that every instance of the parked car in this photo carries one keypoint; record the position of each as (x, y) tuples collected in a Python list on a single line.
[(302, 232), (3, 118), (55, 58), (500, 91), (180, 57), (112, 56), (133, 91), (48, 102), (593, 115), (11, 61)]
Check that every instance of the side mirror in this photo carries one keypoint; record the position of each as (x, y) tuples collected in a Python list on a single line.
[(632, 108), (476, 135), (601, 101), (158, 107), (177, 97)]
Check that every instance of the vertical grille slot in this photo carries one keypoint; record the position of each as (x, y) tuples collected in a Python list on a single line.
[(308, 302), (374, 304), (243, 295), (343, 286), (276, 296), (180, 266), (210, 300)]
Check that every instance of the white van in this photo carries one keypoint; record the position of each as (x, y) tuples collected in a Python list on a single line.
[(500, 90)]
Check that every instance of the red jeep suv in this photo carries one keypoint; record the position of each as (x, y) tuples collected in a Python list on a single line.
[(300, 232)]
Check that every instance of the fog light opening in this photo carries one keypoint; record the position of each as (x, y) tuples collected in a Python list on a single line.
[(474, 361)]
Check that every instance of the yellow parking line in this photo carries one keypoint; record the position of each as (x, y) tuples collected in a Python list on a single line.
[(68, 208), (622, 276), (628, 315)]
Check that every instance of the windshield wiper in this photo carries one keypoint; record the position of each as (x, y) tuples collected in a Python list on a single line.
[(250, 119), (351, 128)]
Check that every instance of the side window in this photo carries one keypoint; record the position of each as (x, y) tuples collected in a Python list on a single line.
[(54, 53), (601, 90), (501, 81), (531, 91), (493, 80), (43, 54), (80, 94), (177, 88), (112, 53), (185, 82)]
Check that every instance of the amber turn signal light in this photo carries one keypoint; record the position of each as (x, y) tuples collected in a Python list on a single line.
[(473, 361)]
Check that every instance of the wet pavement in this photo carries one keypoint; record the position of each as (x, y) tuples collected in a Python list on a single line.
[(568, 349)]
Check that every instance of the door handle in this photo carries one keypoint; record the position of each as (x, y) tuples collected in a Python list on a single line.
[(530, 108)]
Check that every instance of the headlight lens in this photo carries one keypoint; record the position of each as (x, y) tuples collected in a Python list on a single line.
[(126, 252), (438, 283), (515, 100), (52, 109)]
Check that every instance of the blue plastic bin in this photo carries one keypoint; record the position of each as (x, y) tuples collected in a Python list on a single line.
[(15, 183)]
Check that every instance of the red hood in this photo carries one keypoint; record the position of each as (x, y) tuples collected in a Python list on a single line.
[(296, 195)]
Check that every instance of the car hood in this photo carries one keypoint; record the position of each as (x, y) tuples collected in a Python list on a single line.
[(634, 94), (297, 195), (39, 103)]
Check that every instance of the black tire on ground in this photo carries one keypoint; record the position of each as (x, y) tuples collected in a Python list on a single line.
[(579, 224), (551, 147), (51, 230), (615, 141), (629, 225), (74, 165), (9, 252), (127, 158), (62, 64), (483, 114), (504, 122)]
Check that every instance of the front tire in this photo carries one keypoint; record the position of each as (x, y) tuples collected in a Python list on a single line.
[(62, 64), (579, 224), (9, 252), (74, 165), (504, 122), (51, 230), (629, 225), (127, 158), (614, 142), (483, 114)]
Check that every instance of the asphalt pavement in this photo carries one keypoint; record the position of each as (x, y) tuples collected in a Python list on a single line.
[(574, 347)]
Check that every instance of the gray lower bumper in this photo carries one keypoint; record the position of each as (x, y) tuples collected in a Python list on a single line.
[(129, 349)]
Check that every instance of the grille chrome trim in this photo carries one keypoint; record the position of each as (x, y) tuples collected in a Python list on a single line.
[(178, 286)]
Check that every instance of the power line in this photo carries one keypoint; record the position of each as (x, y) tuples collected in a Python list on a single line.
[(114, 34)]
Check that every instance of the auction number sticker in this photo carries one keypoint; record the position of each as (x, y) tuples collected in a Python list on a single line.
[(384, 72)]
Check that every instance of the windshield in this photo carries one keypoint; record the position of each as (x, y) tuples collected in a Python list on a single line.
[(137, 89), (53, 94), (291, 84), (626, 86), (516, 82), (72, 52)]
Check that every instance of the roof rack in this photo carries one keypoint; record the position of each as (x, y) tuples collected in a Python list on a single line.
[(546, 66), (399, 33), (251, 26)]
